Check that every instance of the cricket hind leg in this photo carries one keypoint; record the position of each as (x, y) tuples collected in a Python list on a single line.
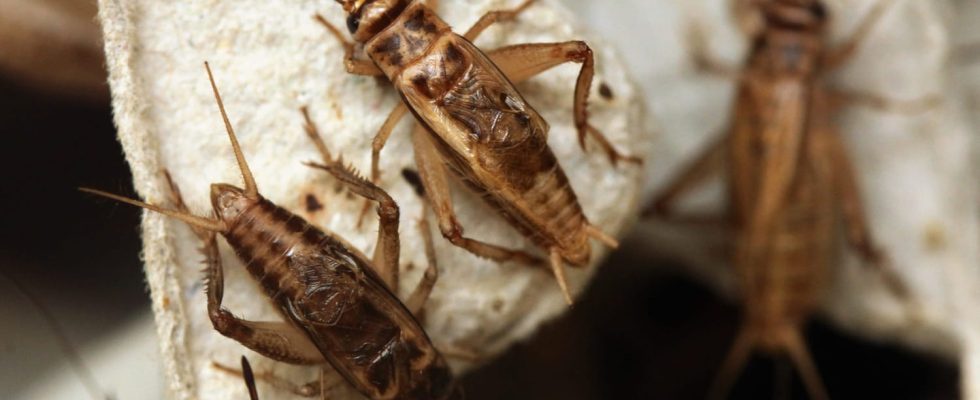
[(433, 175), (387, 249), (523, 61)]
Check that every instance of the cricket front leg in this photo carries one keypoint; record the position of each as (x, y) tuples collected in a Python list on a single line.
[(434, 179), (836, 57), (858, 233), (352, 64), (520, 62)]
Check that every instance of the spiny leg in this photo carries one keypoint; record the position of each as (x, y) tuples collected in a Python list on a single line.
[(836, 57), (314, 134), (858, 233), (416, 301), (319, 387), (354, 66), (434, 178), (733, 364), (711, 159), (520, 62), (493, 17), (796, 348), (387, 248)]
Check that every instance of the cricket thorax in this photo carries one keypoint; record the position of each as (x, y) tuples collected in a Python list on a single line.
[(408, 38)]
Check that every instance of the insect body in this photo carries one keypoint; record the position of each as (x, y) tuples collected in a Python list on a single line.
[(789, 182), (475, 121), (337, 307)]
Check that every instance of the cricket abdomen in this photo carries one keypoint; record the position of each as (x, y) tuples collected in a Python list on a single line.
[(785, 273)]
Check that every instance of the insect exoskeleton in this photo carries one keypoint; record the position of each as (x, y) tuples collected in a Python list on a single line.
[(473, 120), (338, 305), (790, 182)]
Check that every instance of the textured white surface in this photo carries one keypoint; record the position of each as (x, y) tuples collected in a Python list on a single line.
[(918, 176), (269, 59)]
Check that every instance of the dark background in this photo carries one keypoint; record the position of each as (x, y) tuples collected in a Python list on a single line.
[(636, 334)]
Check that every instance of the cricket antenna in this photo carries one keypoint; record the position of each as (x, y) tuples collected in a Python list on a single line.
[(251, 191), (205, 223)]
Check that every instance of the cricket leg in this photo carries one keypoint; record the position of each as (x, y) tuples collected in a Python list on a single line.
[(277, 340), (858, 233), (319, 387), (840, 97), (354, 65), (416, 301), (377, 144), (798, 353), (314, 134), (493, 17), (733, 364), (837, 56), (520, 62), (710, 160), (387, 249), (434, 179)]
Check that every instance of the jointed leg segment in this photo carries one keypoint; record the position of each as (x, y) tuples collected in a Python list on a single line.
[(353, 65), (493, 17), (523, 61)]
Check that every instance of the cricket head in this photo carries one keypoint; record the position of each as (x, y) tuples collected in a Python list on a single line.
[(229, 201), (798, 15), (365, 18)]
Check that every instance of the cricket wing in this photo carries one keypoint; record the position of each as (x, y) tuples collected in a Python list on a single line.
[(497, 142), (361, 328)]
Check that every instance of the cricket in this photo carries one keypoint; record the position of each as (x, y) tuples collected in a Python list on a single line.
[(790, 181), (337, 306), (472, 119)]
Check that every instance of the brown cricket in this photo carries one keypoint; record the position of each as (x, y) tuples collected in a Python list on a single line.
[(336, 304), (473, 119), (789, 182)]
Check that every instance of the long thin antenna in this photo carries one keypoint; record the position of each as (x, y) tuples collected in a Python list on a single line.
[(251, 190), (206, 223), (74, 358)]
